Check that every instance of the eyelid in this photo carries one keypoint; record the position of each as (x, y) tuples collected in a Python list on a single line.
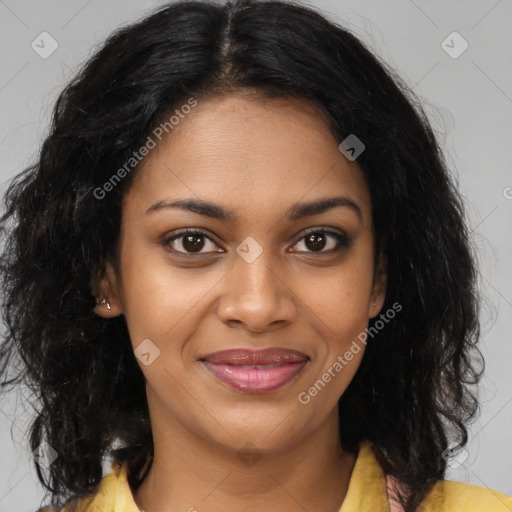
[(325, 229)]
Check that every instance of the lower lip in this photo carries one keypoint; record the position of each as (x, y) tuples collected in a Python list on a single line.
[(255, 380)]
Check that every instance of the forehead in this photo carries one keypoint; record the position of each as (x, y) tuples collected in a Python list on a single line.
[(249, 153)]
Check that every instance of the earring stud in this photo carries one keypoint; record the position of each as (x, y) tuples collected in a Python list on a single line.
[(104, 302)]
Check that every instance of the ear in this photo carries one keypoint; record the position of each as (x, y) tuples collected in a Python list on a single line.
[(105, 287), (378, 294)]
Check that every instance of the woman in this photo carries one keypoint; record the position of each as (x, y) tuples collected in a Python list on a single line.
[(241, 270)]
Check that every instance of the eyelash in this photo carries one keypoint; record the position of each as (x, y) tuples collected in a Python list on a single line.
[(342, 239)]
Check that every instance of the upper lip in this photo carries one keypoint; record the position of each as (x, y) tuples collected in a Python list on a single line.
[(244, 356)]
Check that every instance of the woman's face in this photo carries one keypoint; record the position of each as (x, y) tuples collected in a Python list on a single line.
[(251, 281)]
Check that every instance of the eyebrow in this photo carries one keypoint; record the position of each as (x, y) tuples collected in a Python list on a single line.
[(296, 212)]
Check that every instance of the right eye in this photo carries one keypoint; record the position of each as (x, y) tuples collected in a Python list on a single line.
[(188, 242)]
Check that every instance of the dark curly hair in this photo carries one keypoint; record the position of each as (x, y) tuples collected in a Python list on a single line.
[(412, 393)]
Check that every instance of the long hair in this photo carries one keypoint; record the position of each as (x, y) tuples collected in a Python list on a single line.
[(412, 393)]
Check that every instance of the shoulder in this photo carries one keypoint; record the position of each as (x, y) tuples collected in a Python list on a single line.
[(102, 499), (450, 496), (83, 504)]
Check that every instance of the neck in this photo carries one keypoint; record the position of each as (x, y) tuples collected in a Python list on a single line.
[(190, 473)]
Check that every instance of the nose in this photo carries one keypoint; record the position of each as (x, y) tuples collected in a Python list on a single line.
[(257, 297)]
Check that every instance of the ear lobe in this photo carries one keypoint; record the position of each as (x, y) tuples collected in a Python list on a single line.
[(104, 287), (378, 295)]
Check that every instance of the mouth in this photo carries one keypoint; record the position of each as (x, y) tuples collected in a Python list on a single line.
[(255, 371)]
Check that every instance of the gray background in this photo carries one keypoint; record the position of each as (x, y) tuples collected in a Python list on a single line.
[(468, 99)]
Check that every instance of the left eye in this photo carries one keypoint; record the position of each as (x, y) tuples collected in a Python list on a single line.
[(317, 240)]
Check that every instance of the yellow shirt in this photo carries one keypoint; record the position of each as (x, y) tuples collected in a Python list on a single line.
[(366, 492)]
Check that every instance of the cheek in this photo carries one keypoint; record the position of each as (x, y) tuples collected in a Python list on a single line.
[(340, 298), (159, 299), (340, 316)]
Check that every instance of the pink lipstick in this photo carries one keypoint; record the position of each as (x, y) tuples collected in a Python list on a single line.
[(255, 371)]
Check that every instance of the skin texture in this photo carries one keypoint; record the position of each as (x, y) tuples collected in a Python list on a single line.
[(257, 157)]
